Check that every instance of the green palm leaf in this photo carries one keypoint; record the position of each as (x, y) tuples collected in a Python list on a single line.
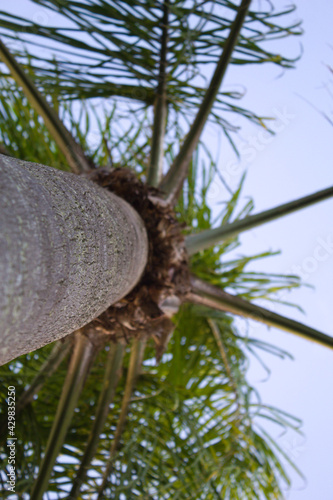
[(120, 53), (66, 143)]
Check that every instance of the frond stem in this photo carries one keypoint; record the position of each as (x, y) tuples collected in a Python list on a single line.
[(79, 366), (210, 237), (135, 362), (58, 353), (210, 296), (160, 109), (174, 179), (66, 143), (112, 374), (218, 338)]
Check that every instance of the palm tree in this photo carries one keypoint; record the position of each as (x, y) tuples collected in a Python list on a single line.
[(182, 428)]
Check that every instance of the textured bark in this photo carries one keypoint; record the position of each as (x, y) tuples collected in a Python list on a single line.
[(68, 250)]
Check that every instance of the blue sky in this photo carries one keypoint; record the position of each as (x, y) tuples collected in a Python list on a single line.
[(296, 162)]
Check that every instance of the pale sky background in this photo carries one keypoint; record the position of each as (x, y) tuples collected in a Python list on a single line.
[(296, 162)]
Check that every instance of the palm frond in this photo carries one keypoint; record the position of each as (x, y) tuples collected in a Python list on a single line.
[(155, 170), (120, 54), (173, 181), (213, 297), (205, 239), (197, 427), (137, 352), (71, 150), (80, 363), (113, 369), (58, 353), (51, 364)]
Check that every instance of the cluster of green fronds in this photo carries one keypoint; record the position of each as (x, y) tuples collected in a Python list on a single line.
[(214, 265), (192, 429), (112, 50), (23, 133)]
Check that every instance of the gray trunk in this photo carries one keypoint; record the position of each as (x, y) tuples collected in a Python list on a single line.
[(68, 250)]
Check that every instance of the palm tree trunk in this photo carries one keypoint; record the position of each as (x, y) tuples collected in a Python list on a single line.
[(68, 250)]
